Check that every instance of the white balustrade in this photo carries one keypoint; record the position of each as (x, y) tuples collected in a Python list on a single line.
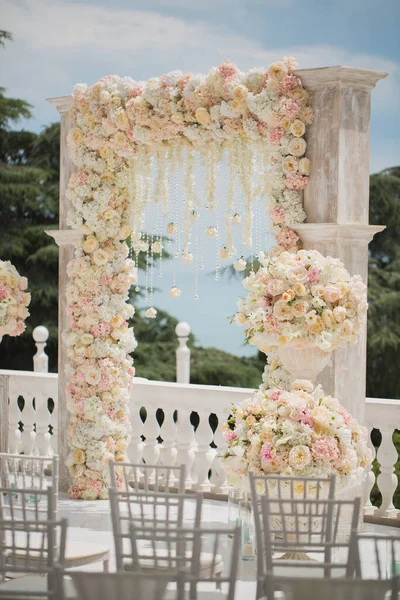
[(182, 331), (29, 418), (173, 439), (40, 361)]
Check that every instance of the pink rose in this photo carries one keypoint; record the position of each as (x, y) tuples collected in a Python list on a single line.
[(287, 238), (266, 452), (276, 135), (228, 70)]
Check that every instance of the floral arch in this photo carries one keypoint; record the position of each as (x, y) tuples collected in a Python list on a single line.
[(126, 140)]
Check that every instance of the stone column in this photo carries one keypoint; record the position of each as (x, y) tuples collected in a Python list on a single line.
[(336, 200), (66, 239)]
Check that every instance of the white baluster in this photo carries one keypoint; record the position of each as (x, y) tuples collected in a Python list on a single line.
[(43, 437), (168, 434), (387, 479), (204, 454), (14, 417), (135, 448), (53, 420), (369, 483), (151, 431), (218, 473), (40, 360), (28, 419), (182, 331), (185, 455)]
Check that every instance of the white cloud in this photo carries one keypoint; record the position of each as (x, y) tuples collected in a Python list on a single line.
[(58, 43)]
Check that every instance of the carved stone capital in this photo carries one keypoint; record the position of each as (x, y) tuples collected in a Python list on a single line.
[(65, 237), (340, 77)]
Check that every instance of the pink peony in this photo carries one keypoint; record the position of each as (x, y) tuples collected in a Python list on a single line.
[(326, 449), (266, 452), (228, 70), (230, 436), (289, 83), (295, 181), (313, 275), (287, 238), (4, 291), (277, 215), (75, 493), (276, 135), (289, 108), (101, 330)]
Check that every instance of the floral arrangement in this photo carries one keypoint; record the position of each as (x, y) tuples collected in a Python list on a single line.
[(14, 300), (123, 133), (100, 369), (122, 127), (301, 432), (302, 298)]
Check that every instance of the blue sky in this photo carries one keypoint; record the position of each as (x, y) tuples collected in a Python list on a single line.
[(59, 43)]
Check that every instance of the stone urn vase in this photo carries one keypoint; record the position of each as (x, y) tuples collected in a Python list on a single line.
[(305, 363)]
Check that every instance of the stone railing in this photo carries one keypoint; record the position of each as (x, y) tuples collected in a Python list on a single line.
[(174, 423)]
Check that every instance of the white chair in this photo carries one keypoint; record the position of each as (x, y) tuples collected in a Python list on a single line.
[(154, 510), (377, 557), (326, 589), (30, 545), (275, 486), (40, 472), (116, 586), (192, 585), (294, 528), (147, 478)]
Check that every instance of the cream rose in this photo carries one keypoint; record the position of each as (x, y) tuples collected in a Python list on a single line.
[(297, 146), (277, 70), (240, 319), (175, 292), (203, 116), (240, 264), (79, 456), (332, 293), (300, 307), (150, 313), (275, 287), (282, 311), (290, 164), (304, 166), (90, 244), (76, 135), (177, 118), (92, 376), (299, 457), (297, 128), (339, 313)]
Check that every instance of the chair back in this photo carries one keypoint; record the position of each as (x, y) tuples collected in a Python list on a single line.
[(276, 486), (377, 557), (25, 525), (293, 526), (147, 478), (156, 510), (192, 582), (31, 473), (30, 544), (302, 588), (119, 586)]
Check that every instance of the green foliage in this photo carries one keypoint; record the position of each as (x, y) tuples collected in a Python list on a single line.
[(384, 287)]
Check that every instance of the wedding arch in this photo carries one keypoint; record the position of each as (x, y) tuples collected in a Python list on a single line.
[(122, 143)]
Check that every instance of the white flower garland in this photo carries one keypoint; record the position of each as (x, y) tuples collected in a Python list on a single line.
[(121, 130)]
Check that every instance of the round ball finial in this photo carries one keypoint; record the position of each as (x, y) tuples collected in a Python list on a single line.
[(183, 329), (40, 334)]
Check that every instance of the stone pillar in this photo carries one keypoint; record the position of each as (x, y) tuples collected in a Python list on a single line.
[(336, 200), (66, 239)]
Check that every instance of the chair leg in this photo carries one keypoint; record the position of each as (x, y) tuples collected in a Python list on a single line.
[(218, 584), (106, 565)]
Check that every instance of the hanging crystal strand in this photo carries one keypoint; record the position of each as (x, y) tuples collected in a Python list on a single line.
[(217, 244), (146, 297), (188, 199), (160, 229), (137, 288), (151, 252)]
